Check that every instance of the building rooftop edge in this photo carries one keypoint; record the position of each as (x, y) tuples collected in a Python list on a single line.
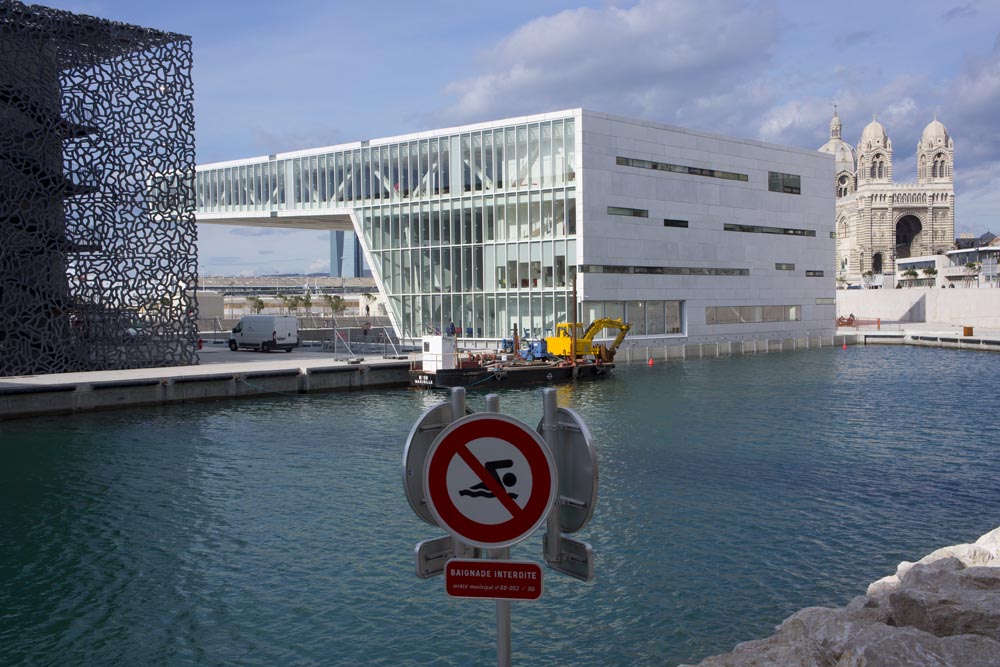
[(380, 141), (577, 112)]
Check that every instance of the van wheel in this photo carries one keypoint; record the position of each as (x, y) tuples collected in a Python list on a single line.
[(265, 347), (288, 349), (233, 346)]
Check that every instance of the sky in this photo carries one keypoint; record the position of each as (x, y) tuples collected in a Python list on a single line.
[(280, 76)]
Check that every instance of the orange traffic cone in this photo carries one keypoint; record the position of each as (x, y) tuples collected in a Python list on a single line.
[(845, 343), (650, 362)]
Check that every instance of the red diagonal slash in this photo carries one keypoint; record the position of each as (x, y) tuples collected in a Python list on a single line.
[(496, 488)]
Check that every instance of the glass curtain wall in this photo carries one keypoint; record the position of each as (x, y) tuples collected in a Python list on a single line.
[(476, 229)]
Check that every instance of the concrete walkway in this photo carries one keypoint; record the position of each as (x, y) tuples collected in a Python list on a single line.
[(222, 374)]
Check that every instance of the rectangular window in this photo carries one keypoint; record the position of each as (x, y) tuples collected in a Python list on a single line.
[(833, 235), (784, 267), (680, 169), (633, 212), (752, 314), (667, 270), (760, 229), (826, 301), (675, 223), (787, 183), (814, 274)]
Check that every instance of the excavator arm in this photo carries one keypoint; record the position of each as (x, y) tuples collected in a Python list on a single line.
[(560, 344)]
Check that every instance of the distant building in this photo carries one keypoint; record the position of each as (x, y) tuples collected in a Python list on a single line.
[(879, 221), (98, 262), (347, 257)]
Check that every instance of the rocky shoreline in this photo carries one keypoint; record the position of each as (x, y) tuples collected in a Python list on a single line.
[(942, 611)]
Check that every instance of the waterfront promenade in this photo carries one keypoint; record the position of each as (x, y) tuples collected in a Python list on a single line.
[(223, 374)]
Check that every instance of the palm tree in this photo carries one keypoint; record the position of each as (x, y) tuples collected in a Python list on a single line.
[(369, 300), (335, 303)]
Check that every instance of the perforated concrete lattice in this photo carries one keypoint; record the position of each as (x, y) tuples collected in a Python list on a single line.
[(98, 255)]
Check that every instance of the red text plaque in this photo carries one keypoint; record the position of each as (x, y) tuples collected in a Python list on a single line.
[(493, 579)]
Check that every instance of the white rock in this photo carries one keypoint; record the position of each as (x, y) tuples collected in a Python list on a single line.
[(991, 542), (969, 554), (883, 586)]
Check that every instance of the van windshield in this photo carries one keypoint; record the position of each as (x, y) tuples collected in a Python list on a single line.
[(238, 328)]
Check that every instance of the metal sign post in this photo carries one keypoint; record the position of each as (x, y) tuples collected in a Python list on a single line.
[(503, 606)]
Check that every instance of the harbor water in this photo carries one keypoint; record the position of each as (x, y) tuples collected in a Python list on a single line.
[(733, 492)]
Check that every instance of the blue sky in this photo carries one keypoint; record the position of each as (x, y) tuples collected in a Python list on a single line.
[(280, 76)]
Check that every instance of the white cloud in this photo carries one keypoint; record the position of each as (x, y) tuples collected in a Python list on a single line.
[(319, 266), (653, 59)]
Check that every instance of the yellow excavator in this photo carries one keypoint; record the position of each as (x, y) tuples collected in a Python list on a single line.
[(561, 345)]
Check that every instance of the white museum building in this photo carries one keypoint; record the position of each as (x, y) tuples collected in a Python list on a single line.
[(690, 237)]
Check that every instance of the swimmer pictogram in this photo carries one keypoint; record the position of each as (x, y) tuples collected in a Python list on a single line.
[(472, 471), (481, 490)]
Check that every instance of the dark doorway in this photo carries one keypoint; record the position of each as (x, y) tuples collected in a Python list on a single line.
[(877, 262), (907, 232)]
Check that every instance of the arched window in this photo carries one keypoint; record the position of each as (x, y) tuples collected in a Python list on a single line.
[(873, 169), (934, 170), (880, 166)]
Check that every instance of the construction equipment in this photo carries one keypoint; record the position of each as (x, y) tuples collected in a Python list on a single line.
[(561, 345)]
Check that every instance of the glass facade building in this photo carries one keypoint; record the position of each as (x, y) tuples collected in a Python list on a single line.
[(491, 225), (476, 228)]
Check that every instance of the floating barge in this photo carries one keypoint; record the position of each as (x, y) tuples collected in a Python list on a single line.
[(442, 366)]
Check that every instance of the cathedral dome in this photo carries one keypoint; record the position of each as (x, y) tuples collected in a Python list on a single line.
[(935, 134), (842, 154), (874, 134)]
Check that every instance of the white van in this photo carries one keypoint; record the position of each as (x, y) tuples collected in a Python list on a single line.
[(265, 333)]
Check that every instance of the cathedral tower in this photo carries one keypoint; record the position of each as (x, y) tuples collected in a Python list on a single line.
[(880, 221)]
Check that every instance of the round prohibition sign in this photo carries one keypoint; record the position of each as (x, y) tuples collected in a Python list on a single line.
[(489, 480)]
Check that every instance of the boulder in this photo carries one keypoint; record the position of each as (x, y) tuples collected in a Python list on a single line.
[(944, 598), (969, 554), (991, 542), (942, 611), (885, 646), (883, 586)]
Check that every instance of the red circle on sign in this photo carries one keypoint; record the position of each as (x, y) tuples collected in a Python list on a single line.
[(454, 442)]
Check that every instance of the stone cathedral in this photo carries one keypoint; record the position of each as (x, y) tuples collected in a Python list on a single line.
[(879, 220)]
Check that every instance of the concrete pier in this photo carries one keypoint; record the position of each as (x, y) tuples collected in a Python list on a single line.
[(221, 375)]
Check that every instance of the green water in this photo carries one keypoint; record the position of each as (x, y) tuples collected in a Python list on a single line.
[(276, 532)]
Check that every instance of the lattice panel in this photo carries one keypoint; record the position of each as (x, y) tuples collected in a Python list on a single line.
[(98, 255)]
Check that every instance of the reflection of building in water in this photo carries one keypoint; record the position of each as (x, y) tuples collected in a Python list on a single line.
[(880, 221), (690, 237)]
